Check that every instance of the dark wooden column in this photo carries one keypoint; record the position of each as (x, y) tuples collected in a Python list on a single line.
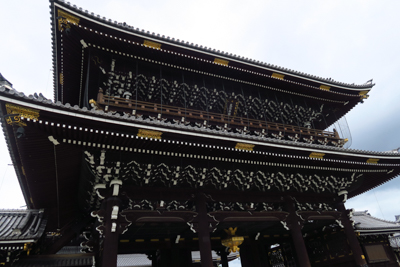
[(165, 258), (263, 254), (175, 257), (256, 253), (297, 236), (246, 257), (203, 231), (111, 233), (180, 257), (249, 254), (224, 257), (153, 257), (185, 256), (351, 236)]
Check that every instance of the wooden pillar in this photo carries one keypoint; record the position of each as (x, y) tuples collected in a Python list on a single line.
[(256, 253), (165, 258), (297, 236), (175, 257), (263, 254), (246, 257), (111, 233), (203, 231), (154, 260), (185, 256), (249, 254), (351, 236), (224, 257)]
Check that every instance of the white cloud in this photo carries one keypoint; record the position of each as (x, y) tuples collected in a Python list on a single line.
[(383, 204)]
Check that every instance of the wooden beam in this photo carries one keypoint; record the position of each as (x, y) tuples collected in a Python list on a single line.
[(70, 231)]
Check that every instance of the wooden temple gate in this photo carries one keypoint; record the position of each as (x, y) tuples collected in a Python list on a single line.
[(159, 147)]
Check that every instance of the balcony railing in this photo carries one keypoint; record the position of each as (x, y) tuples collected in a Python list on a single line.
[(220, 121)]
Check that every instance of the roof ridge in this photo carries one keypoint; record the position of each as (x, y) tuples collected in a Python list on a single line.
[(123, 25), (365, 213)]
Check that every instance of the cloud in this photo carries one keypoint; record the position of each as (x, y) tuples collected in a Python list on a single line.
[(380, 203)]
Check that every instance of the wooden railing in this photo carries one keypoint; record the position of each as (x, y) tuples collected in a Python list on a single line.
[(217, 119)]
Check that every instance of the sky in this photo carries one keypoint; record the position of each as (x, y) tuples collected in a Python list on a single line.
[(348, 41)]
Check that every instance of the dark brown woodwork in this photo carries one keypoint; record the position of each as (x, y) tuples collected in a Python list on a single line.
[(224, 257), (172, 112), (175, 257), (262, 250), (184, 257), (203, 230), (158, 216), (110, 244), (248, 216), (256, 253), (246, 255), (72, 230), (351, 236), (135, 192), (153, 257), (297, 236), (165, 259), (320, 215)]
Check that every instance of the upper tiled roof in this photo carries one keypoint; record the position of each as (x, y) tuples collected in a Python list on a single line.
[(21, 226), (4, 81), (364, 222), (181, 43)]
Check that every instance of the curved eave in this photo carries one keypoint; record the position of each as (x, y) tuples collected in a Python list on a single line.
[(388, 164), (123, 28), (379, 231), (101, 116), (30, 223)]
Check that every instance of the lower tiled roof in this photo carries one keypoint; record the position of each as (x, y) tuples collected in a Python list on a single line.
[(59, 260), (21, 226), (364, 222)]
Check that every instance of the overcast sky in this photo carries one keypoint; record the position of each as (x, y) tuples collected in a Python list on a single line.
[(348, 41)]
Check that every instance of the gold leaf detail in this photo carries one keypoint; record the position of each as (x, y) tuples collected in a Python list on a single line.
[(149, 134), (232, 242), (373, 161), (15, 120), (221, 61), (231, 231), (248, 147), (325, 87), (152, 44), (317, 155), (278, 76), (61, 79), (64, 18), (23, 170), (16, 112)]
